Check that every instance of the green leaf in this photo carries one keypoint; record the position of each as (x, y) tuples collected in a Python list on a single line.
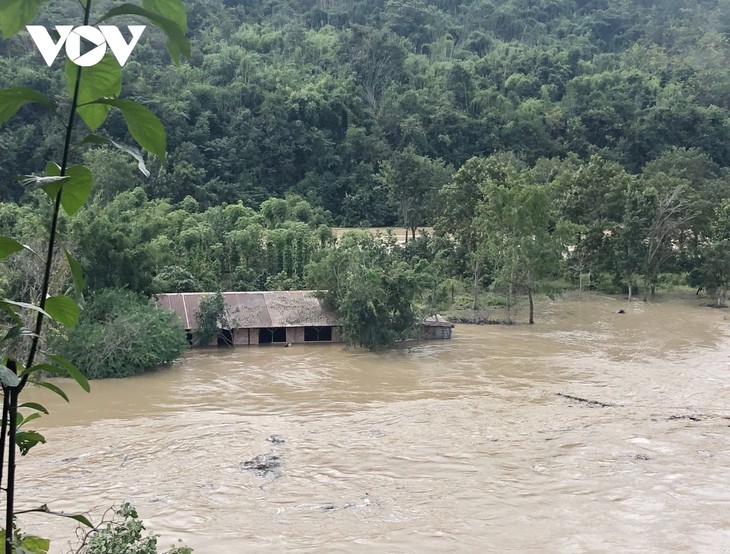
[(76, 188), (177, 45), (63, 309), (171, 9), (47, 368), (131, 150), (7, 377), (72, 371), (98, 81), (12, 313), (35, 545), (76, 517), (27, 440), (94, 139), (8, 306), (76, 272), (17, 331), (143, 125), (8, 247), (34, 406), (12, 99), (31, 417), (16, 14), (54, 388)]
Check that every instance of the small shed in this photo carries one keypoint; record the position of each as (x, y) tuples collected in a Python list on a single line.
[(436, 327), (268, 317)]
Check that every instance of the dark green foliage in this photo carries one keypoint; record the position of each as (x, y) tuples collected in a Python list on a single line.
[(314, 98), (372, 288), (210, 317), (120, 334), (174, 278)]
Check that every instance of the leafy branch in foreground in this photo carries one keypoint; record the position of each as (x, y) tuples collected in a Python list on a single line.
[(93, 95), (120, 532)]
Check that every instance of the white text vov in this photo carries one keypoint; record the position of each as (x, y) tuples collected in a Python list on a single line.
[(102, 36)]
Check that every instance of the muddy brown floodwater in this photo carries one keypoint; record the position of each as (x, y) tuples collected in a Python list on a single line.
[(469, 445)]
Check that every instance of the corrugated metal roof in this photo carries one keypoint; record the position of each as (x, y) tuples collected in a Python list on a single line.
[(436, 320), (252, 310)]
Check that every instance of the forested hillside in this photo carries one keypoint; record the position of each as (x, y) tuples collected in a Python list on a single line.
[(312, 97)]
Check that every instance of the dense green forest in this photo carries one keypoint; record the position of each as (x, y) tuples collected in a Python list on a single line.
[(543, 140), (313, 97)]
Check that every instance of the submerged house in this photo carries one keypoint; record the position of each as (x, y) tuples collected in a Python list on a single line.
[(268, 317), (436, 327), (276, 317)]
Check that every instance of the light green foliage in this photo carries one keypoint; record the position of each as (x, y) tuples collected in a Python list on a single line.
[(712, 266), (174, 278), (460, 217), (522, 235), (119, 243), (124, 534), (121, 334)]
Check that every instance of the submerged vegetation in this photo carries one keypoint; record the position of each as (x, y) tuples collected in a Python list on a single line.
[(121, 333)]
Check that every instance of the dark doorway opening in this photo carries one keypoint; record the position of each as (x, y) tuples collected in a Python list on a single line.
[(272, 335), (317, 334), (225, 337)]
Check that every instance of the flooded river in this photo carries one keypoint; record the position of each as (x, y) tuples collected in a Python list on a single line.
[(590, 431)]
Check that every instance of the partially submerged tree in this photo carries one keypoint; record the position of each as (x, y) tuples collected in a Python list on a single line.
[(372, 289), (460, 217), (521, 234), (120, 334), (211, 317)]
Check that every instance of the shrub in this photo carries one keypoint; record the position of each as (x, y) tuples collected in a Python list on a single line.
[(121, 334)]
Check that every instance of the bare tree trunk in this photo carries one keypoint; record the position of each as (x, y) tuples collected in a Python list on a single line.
[(532, 306), (509, 304), (580, 284), (630, 290), (475, 290)]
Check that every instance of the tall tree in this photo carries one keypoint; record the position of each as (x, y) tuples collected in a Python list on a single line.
[(412, 181), (521, 234)]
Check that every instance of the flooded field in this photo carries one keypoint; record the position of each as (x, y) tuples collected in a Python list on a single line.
[(591, 431), (399, 232)]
